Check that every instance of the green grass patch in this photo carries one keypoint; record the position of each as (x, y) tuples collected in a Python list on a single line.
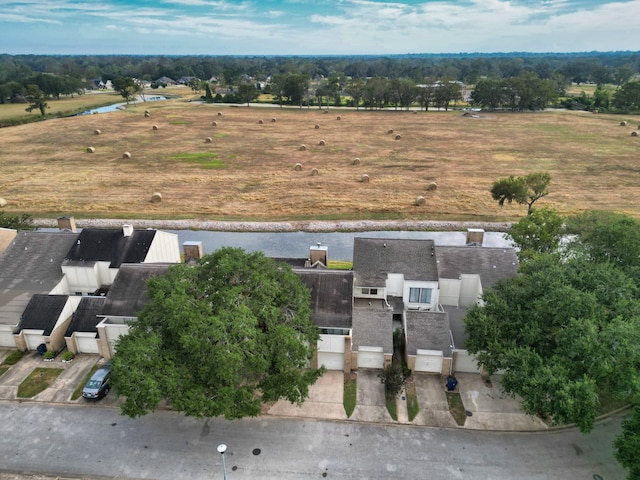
[(456, 407), (78, 391), (180, 122), (392, 405), (412, 400), (208, 160), (37, 381), (3, 369), (13, 358), (350, 394), (339, 265)]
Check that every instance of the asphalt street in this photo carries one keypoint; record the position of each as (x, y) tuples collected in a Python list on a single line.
[(91, 441)]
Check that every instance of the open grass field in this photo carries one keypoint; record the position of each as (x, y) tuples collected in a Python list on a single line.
[(246, 171)]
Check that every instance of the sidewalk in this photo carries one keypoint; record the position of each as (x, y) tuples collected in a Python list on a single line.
[(487, 408)]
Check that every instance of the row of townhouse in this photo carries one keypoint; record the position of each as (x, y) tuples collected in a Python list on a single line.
[(80, 290)]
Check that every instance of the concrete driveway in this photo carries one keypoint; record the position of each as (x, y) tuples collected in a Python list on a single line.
[(370, 401), (434, 409)]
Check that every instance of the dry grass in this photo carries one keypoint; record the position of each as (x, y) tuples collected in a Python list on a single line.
[(248, 174)]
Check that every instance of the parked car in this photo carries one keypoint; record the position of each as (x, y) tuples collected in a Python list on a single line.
[(98, 385)]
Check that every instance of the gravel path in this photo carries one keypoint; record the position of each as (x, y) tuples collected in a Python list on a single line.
[(295, 226)]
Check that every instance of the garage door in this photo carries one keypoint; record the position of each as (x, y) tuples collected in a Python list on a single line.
[(331, 360), (465, 362), (6, 337), (429, 361), (86, 344), (370, 357), (331, 351), (33, 339)]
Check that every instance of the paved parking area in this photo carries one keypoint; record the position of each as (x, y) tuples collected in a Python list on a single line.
[(489, 408)]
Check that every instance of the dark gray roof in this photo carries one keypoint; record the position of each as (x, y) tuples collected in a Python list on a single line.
[(30, 265), (86, 316), (373, 327), (428, 331), (456, 322), (110, 245), (374, 258), (42, 313), (492, 264), (128, 294), (331, 296)]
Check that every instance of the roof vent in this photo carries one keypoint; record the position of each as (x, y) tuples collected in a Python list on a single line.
[(127, 230)]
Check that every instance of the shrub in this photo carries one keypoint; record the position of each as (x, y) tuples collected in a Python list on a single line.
[(49, 355), (393, 379), (68, 356)]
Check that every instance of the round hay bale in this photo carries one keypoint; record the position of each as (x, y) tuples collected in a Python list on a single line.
[(317, 126), (91, 150), (208, 140), (3, 202), (147, 114), (420, 200), (273, 120), (214, 124), (338, 117), (302, 148), (260, 122), (390, 131), (321, 143), (364, 178), (155, 127), (356, 161), (97, 131), (314, 172), (634, 133), (298, 167), (126, 155), (219, 114), (146, 111), (433, 186), (326, 111), (398, 136), (623, 123), (156, 197)]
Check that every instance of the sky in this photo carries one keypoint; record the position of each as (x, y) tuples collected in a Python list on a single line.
[(316, 27)]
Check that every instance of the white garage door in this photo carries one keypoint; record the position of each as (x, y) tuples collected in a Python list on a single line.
[(331, 360), (429, 361), (86, 344), (370, 357), (465, 362), (6, 337), (33, 339)]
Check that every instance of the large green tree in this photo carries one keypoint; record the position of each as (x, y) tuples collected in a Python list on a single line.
[(627, 445), (523, 190), (540, 232), (564, 332), (16, 222), (218, 339), (37, 100), (126, 87)]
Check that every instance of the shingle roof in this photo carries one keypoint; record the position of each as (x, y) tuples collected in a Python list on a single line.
[(110, 245), (428, 331), (374, 258), (331, 296), (128, 294), (42, 313), (492, 264), (373, 328), (86, 316), (30, 265)]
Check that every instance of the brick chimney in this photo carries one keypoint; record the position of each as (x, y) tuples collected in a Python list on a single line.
[(318, 254), (67, 223), (475, 237), (192, 251)]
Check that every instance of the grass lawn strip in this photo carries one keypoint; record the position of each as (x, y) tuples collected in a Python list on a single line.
[(350, 393), (3, 368), (392, 406), (456, 407), (412, 399), (38, 381)]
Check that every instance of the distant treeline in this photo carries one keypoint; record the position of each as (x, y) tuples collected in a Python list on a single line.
[(539, 77)]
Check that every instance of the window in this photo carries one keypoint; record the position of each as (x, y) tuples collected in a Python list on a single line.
[(419, 295), (369, 291)]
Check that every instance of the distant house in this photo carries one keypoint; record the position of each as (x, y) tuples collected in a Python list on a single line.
[(185, 80), (165, 81)]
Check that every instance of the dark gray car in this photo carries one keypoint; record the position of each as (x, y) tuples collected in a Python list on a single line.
[(98, 385)]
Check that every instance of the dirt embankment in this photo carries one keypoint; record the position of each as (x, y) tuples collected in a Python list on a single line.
[(294, 226)]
